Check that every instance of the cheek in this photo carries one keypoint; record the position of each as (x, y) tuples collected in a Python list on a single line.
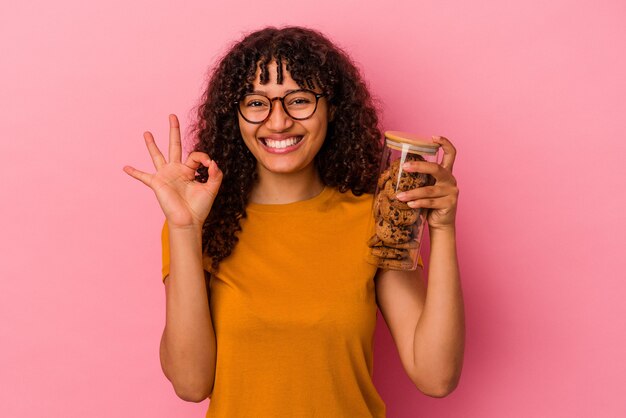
[(320, 131), (318, 126), (247, 133)]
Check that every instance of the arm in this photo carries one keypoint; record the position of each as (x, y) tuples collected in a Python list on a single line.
[(188, 345), (427, 324), (439, 339), (440, 332)]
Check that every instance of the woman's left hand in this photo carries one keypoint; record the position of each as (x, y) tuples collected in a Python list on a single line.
[(442, 196)]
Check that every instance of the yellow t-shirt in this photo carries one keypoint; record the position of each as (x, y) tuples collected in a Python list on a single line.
[(294, 312)]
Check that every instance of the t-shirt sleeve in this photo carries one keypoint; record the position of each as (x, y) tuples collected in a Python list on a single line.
[(165, 251)]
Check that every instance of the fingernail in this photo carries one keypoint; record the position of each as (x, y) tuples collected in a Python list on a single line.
[(406, 165), (401, 196)]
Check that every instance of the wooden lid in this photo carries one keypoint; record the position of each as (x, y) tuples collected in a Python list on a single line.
[(396, 139)]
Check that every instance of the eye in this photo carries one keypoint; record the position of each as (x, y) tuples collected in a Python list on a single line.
[(299, 100), (255, 103)]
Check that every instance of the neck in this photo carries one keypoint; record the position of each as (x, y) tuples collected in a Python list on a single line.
[(281, 188)]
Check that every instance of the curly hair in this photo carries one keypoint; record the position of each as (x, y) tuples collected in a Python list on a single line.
[(349, 157)]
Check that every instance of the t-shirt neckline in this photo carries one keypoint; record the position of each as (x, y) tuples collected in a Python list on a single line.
[(307, 204)]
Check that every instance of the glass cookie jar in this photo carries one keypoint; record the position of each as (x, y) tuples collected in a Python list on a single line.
[(398, 228)]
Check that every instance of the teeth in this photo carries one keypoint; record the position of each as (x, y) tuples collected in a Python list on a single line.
[(282, 144)]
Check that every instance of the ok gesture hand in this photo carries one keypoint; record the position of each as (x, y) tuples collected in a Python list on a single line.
[(184, 201)]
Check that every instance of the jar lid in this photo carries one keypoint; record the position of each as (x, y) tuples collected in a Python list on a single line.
[(397, 139)]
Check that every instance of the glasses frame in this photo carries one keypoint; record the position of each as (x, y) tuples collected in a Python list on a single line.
[(318, 96)]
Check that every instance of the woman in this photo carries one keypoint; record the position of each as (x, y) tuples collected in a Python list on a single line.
[(270, 305)]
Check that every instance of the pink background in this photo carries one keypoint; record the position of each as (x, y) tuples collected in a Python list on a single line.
[(532, 95)]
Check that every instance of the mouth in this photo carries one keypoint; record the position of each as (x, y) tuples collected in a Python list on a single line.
[(282, 146)]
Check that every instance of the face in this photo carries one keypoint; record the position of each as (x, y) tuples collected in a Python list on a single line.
[(281, 144)]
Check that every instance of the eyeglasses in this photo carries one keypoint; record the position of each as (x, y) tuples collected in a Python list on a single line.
[(298, 105)]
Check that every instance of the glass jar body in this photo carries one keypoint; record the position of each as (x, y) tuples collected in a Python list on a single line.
[(397, 239)]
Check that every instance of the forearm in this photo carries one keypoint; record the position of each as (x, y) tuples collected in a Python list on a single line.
[(440, 332), (188, 345)]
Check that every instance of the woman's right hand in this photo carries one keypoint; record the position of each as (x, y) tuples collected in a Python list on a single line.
[(184, 201)]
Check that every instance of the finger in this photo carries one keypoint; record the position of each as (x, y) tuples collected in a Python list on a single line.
[(427, 167), (212, 185), (175, 153), (449, 152), (145, 178), (196, 159), (424, 192), (157, 158), (215, 175), (433, 203)]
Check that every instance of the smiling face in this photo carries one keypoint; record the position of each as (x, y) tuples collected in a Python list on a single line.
[(282, 145)]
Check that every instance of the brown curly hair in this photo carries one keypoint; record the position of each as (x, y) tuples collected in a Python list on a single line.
[(349, 157)]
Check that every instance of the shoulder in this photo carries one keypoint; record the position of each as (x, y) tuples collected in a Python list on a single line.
[(349, 205)]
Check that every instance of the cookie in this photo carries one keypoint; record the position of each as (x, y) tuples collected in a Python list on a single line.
[(404, 264), (374, 241), (407, 245), (383, 178), (392, 234), (389, 253), (408, 180), (394, 167), (376, 208), (390, 191), (393, 213), (423, 179)]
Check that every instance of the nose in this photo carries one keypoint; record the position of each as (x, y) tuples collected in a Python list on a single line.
[(278, 119)]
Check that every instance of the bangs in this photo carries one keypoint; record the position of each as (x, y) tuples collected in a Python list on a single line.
[(304, 75)]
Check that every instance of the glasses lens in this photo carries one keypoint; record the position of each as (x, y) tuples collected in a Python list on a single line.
[(255, 107), (300, 104)]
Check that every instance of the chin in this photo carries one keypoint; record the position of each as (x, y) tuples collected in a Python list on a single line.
[(283, 168)]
